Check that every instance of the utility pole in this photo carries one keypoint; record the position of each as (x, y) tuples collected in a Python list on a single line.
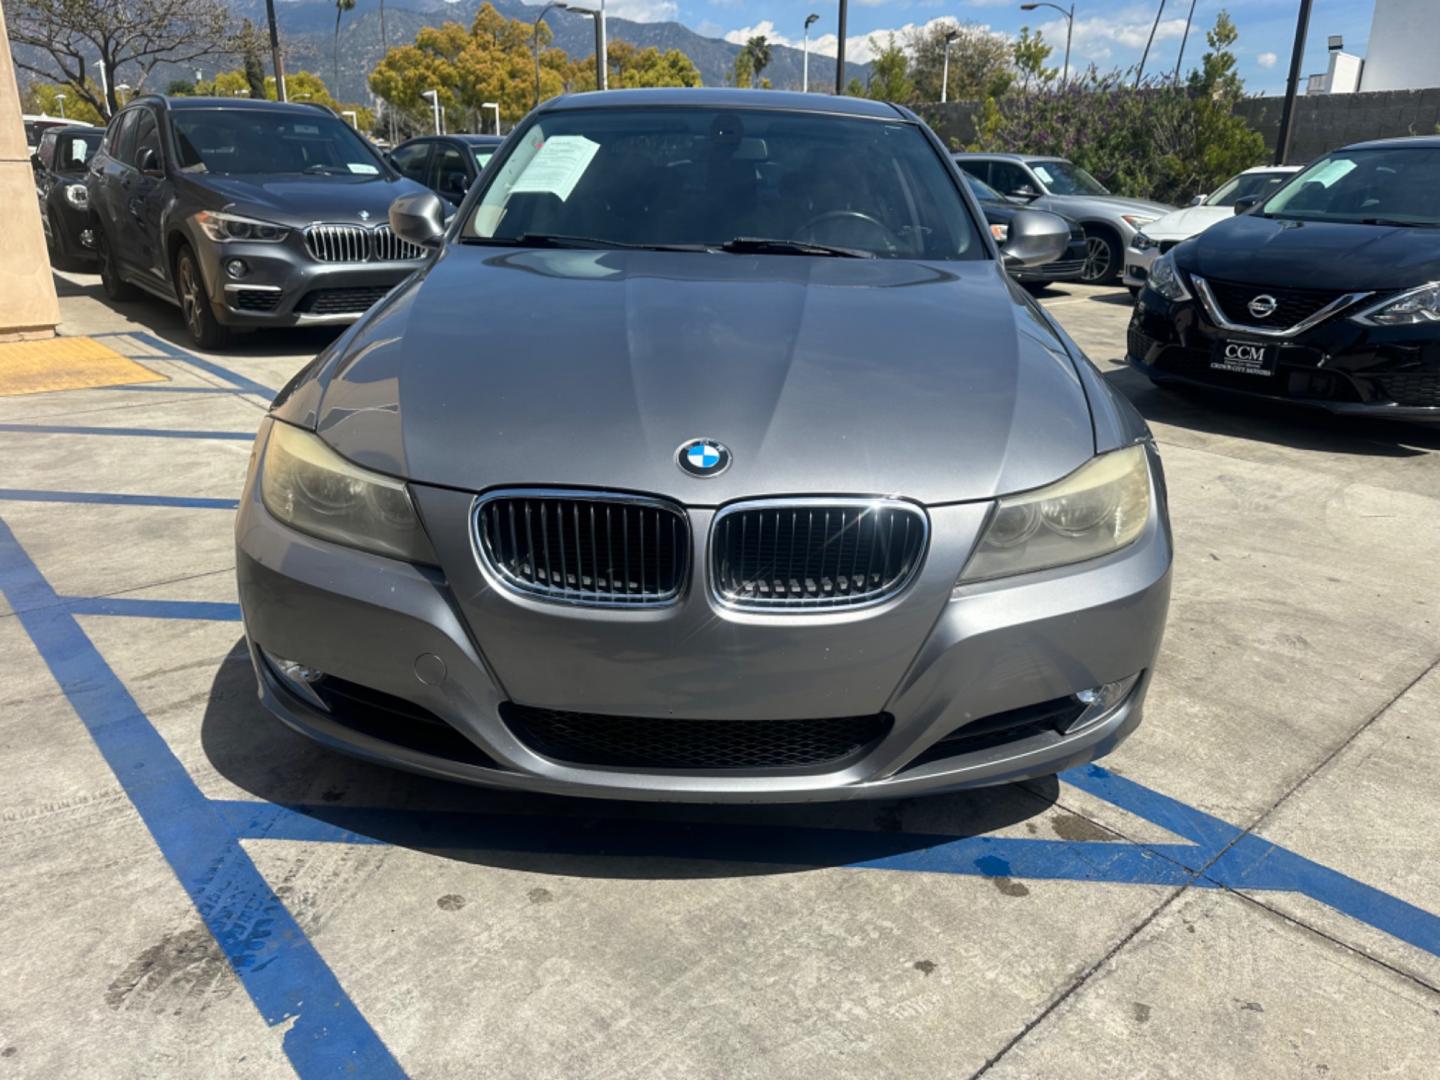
[(950, 36), (840, 50), (810, 20), (1140, 71), (1184, 38), (275, 52), (1297, 57)]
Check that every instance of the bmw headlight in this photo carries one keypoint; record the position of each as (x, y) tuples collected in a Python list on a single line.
[(219, 226), (1166, 280), (311, 488), (1099, 508), (1141, 242), (1417, 306), (1135, 221), (77, 196)]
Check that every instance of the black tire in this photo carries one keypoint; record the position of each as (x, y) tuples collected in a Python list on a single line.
[(55, 248), (1102, 257), (206, 331), (116, 287)]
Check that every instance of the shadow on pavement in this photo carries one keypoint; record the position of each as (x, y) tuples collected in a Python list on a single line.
[(599, 838), (1278, 422)]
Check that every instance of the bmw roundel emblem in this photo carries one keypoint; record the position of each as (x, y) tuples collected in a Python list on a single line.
[(703, 457)]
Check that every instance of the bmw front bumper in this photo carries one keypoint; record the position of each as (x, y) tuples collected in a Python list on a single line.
[(992, 689)]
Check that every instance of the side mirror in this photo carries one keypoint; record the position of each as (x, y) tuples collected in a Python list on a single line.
[(1026, 192), (149, 162), (1246, 203), (419, 219), (1199, 199), (1035, 238)]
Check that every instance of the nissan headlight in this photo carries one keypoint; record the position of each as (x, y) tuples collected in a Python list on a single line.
[(1165, 279), (1411, 308), (1141, 242), (311, 488), (1099, 508), (77, 196), (220, 227)]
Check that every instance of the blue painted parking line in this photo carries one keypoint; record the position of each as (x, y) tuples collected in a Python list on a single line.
[(210, 611), (285, 976), (156, 388), (173, 352), (110, 498), (152, 433)]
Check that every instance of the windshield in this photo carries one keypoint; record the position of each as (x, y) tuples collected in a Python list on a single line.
[(1063, 178), (258, 141), (708, 178), (981, 190), (1399, 186), (483, 156), (1246, 185), (74, 151)]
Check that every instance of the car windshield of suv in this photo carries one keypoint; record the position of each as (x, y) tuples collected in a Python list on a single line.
[(75, 151), (981, 190), (1063, 178), (483, 156), (761, 181), (259, 141), (1384, 186), (1244, 186)]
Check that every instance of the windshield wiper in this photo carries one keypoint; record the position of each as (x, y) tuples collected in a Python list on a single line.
[(550, 240), (325, 170), (755, 245), (1399, 224)]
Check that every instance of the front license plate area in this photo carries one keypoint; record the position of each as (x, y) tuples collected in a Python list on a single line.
[(1244, 357)]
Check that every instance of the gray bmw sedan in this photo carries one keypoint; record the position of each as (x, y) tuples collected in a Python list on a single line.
[(712, 456)]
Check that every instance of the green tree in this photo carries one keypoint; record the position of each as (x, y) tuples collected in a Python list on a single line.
[(981, 62), (43, 98), (744, 74), (251, 46), (759, 50), (890, 74), (1030, 52), (854, 88)]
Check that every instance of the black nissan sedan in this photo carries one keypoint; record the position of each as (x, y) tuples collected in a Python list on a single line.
[(1325, 293)]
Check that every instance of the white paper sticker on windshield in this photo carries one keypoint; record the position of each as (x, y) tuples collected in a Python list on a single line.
[(557, 166), (363, 169), (1044, 175)]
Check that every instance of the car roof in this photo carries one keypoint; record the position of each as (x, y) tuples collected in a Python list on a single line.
[(77, 129), (968, 155), (180, 103), (478, 140), (725, 97), (1408, 142)]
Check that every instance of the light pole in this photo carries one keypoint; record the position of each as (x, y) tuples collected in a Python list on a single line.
[(434, 96), (840, 49), (496, 106), (275, 57), (121, 89), (950, 36), (1069, 31), (60, 100), (601, 62), (1183, 38), (104, 87), (1140, 71), (353, 115), (536, 40), (1287, 112), (810, 20)]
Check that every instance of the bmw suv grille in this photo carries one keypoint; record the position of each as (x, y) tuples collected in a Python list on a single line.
[(584, 547), (357, 243), (815, 554)]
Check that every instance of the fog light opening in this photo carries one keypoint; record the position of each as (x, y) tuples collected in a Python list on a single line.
[(1100, 701), (236, 268), (87, 238), (300, 679)]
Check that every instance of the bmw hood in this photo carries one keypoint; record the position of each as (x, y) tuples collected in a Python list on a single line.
[(1314, 254), (1183, 224), (292, 199), (935, 382)]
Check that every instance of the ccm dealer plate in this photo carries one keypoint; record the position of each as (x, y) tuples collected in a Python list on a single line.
[(1244, 357)]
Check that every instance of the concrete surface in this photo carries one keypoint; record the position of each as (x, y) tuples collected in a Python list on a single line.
[(1249, 887)]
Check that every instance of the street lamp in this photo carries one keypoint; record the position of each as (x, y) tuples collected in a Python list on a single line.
[(354, 117), (950, 36), (1069, 30), (602, 82), (121, 89), (434, 96), (535, 39), (104, 87), (60, 100), (810, 20), (496, 106)]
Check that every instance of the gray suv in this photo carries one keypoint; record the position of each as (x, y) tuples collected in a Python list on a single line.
[(1053, 183), (245, 213)]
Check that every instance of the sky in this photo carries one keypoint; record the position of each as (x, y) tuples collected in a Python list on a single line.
[(1108, 33)]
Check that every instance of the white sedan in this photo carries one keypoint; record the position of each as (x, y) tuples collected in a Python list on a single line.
[(1164, 233)]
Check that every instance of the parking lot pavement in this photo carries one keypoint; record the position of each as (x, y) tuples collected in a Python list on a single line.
[(1246, 888)]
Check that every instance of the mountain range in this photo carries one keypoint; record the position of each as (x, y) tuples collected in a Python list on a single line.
[(307, 30)]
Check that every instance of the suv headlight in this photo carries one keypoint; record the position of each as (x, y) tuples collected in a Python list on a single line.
[(77, 196), (1420, 305), (311, 488), (1099, 508), (219, 226), (1165, 279), (1141, 242), (1135, 221)]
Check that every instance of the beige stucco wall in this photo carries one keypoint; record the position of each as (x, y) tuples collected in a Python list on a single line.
[(28, 307)]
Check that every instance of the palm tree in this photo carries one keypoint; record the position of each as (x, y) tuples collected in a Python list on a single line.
[(341, 6), (759, 50)]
